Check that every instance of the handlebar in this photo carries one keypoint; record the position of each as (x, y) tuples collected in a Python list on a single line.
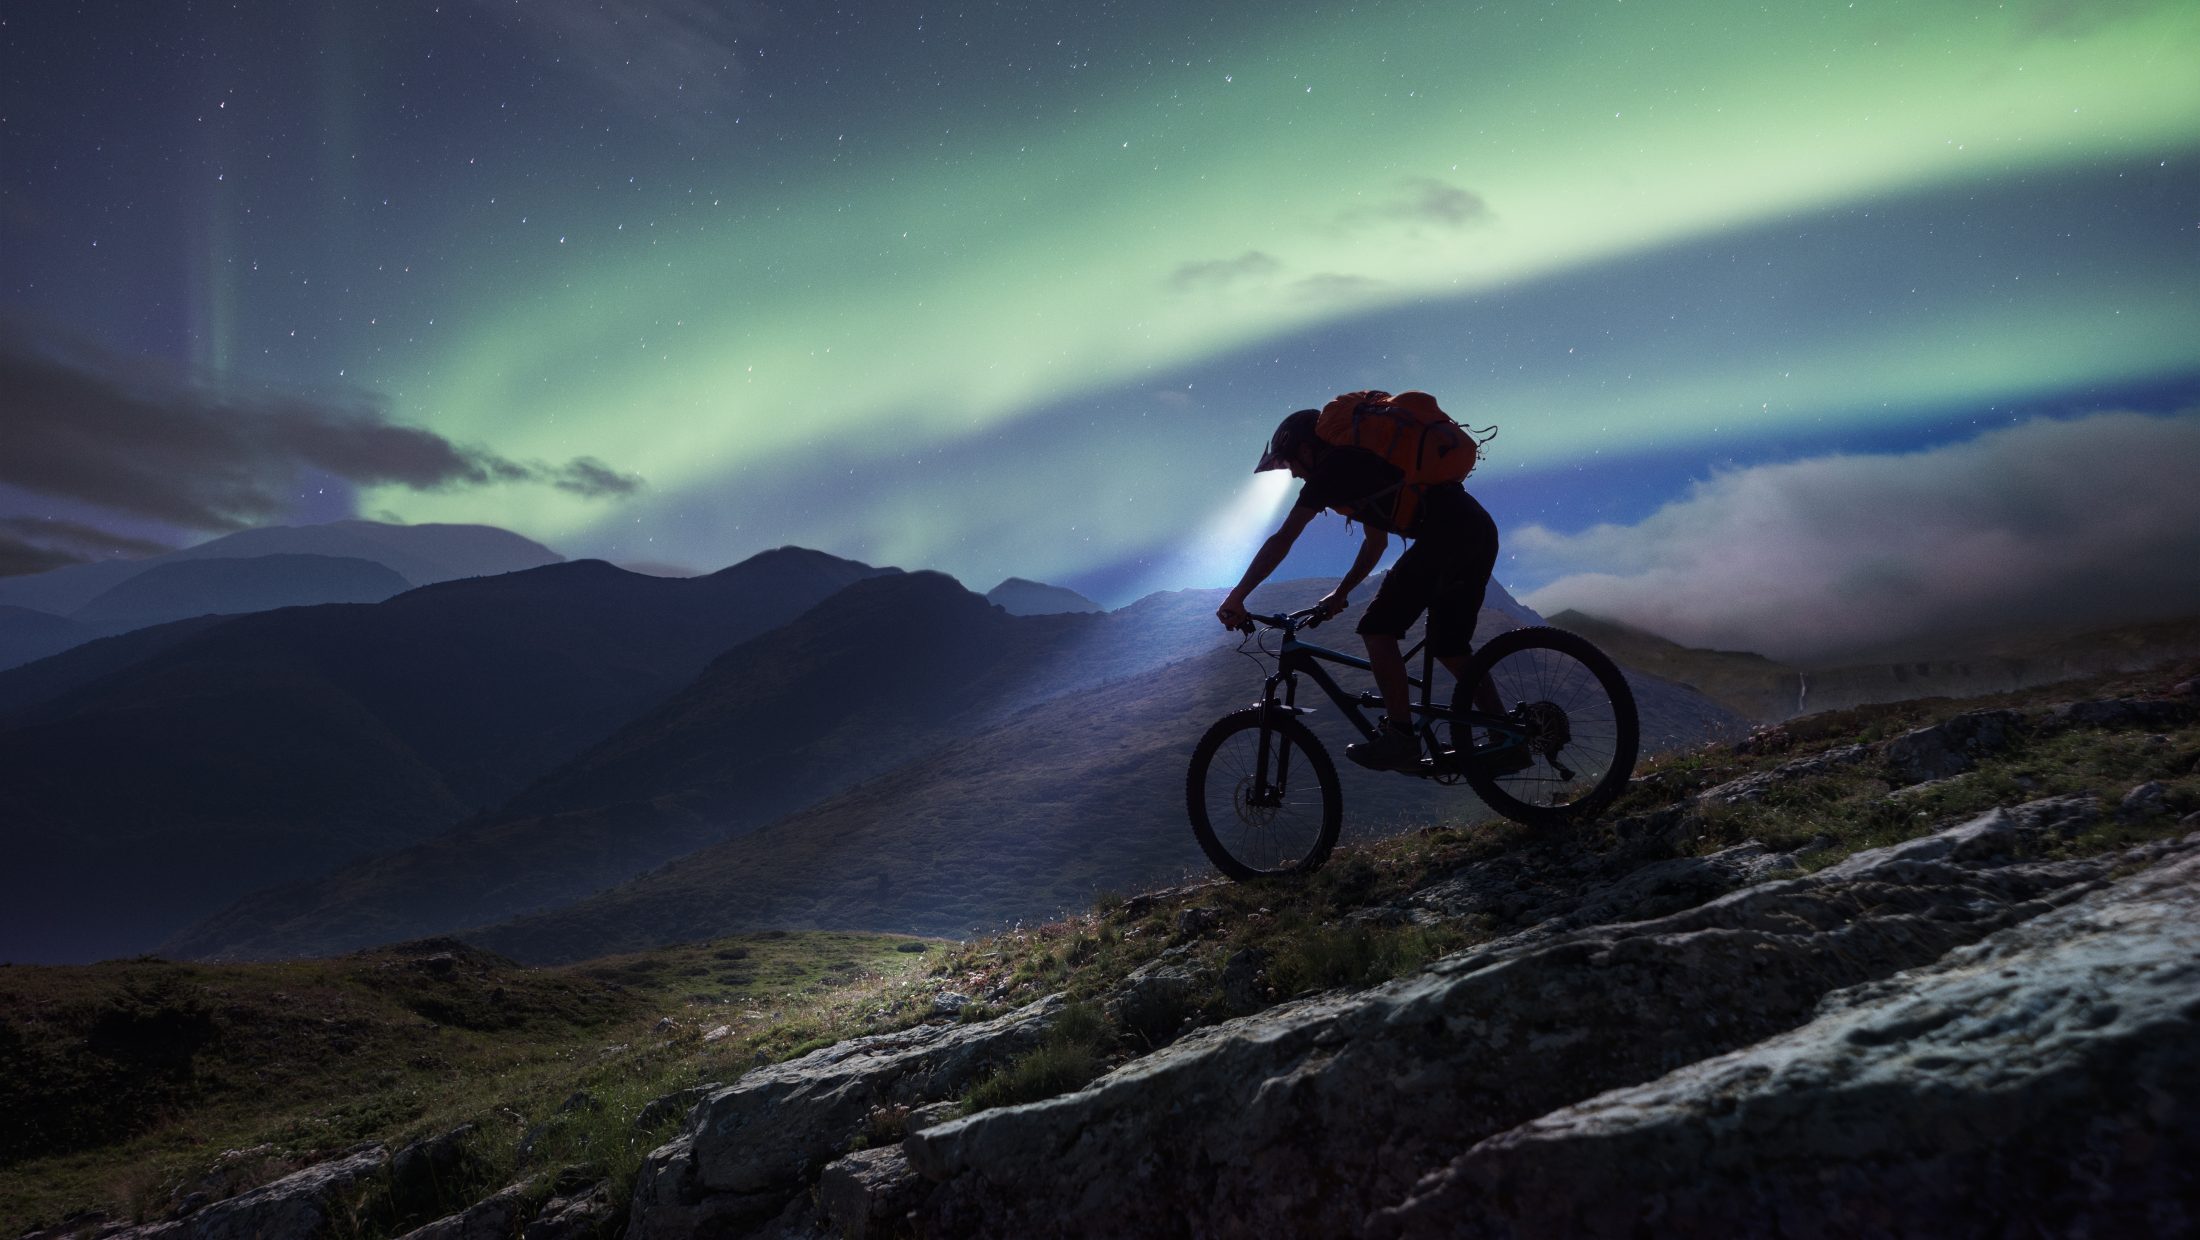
[(1289, 622)]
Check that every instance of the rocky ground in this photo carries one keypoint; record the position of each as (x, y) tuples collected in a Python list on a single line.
[(1851, 978)]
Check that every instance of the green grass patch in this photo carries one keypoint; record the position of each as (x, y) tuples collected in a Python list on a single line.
[(1071, 1054)]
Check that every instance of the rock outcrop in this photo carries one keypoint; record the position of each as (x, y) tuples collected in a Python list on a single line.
[(2043, 1082), (1317, 1116), (303, 1204), (751, 1149)]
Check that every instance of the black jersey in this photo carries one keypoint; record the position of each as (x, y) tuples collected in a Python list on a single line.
[(1365, 487)]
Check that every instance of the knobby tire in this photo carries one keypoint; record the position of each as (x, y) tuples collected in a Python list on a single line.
[(1248, 841), (1544, 668)]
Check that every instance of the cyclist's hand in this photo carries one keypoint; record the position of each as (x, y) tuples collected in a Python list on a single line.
[(1331, 605), (1233, 616)]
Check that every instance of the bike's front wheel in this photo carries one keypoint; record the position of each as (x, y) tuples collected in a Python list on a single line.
[(1576, 714), (1262, 809)]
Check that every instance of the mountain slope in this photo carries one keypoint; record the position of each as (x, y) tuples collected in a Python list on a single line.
[(272, 746), (1751, 685), (1079, 794)]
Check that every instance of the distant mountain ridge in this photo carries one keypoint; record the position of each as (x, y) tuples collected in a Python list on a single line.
[(1019, 597), (252, 570), (181, 589), (421, 554)]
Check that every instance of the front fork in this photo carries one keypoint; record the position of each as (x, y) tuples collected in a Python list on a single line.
[(1265, 792)]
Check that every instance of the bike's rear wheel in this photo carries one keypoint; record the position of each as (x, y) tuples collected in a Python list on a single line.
[(1578, 714), (1256, 820)]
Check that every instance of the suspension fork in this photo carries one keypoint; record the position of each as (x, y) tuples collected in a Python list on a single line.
[(1269, 714)]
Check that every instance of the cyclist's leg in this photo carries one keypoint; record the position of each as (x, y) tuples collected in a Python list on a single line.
[(1399, 601), (1456, 606)]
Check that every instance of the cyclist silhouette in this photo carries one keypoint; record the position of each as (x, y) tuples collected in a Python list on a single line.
[(1444, 571)]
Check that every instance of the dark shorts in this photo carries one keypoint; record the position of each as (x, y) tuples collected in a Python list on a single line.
[(1444, 575)]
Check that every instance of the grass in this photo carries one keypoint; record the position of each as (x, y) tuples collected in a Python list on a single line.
[(122, 1084), (125, 1086)]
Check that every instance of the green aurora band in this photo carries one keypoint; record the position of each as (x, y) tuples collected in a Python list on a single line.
[(977, 268)]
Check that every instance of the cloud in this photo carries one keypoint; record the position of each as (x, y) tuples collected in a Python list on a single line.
[(83, 424), (592, 479), (1422, 200), (2089, 521), (1218, 273), (1330, 285), (36, 544)]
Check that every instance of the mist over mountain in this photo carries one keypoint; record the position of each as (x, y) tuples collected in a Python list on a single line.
[(161, 774)]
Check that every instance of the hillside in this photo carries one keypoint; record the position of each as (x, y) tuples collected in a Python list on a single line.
[(1012, 735), (1825, 974), (1949, 664), (156, 776), (1750, 685)]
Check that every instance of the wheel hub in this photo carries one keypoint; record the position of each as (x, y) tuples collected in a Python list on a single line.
[(1256, 806), (1547, 727)]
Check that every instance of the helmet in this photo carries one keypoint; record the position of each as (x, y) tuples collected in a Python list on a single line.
[(1284, 444)]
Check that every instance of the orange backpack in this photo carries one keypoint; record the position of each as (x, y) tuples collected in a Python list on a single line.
[(1408, 430)]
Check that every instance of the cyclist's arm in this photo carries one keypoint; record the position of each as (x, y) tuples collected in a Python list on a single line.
[(1271, 553), (1371, 553)]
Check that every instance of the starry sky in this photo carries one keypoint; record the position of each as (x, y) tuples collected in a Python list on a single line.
[(1804, 325)]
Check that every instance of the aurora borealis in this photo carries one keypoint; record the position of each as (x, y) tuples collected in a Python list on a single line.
[(1019, 289)]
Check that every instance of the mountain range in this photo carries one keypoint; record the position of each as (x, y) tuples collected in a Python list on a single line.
[(903, 757), (574, 755), (252, 570), (160, 774)]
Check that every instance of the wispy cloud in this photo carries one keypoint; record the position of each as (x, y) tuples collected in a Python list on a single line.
[(1329, 285), (2094, 520), (1215, 273), (81, 423), (36, 544), (1420, 200)]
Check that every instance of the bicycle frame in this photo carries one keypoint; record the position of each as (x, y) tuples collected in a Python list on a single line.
[(1297, 657)]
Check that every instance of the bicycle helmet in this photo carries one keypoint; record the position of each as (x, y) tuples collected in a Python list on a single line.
[(1284, 444)]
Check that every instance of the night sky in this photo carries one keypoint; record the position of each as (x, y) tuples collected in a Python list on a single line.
[(1806, 325)]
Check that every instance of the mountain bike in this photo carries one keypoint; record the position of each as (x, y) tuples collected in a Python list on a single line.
[(1559, 737)]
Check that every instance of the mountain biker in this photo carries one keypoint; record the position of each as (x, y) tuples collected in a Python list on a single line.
[(1444, 571)]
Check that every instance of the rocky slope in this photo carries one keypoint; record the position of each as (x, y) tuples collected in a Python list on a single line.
[(1910, 971), (1948, 1035)]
